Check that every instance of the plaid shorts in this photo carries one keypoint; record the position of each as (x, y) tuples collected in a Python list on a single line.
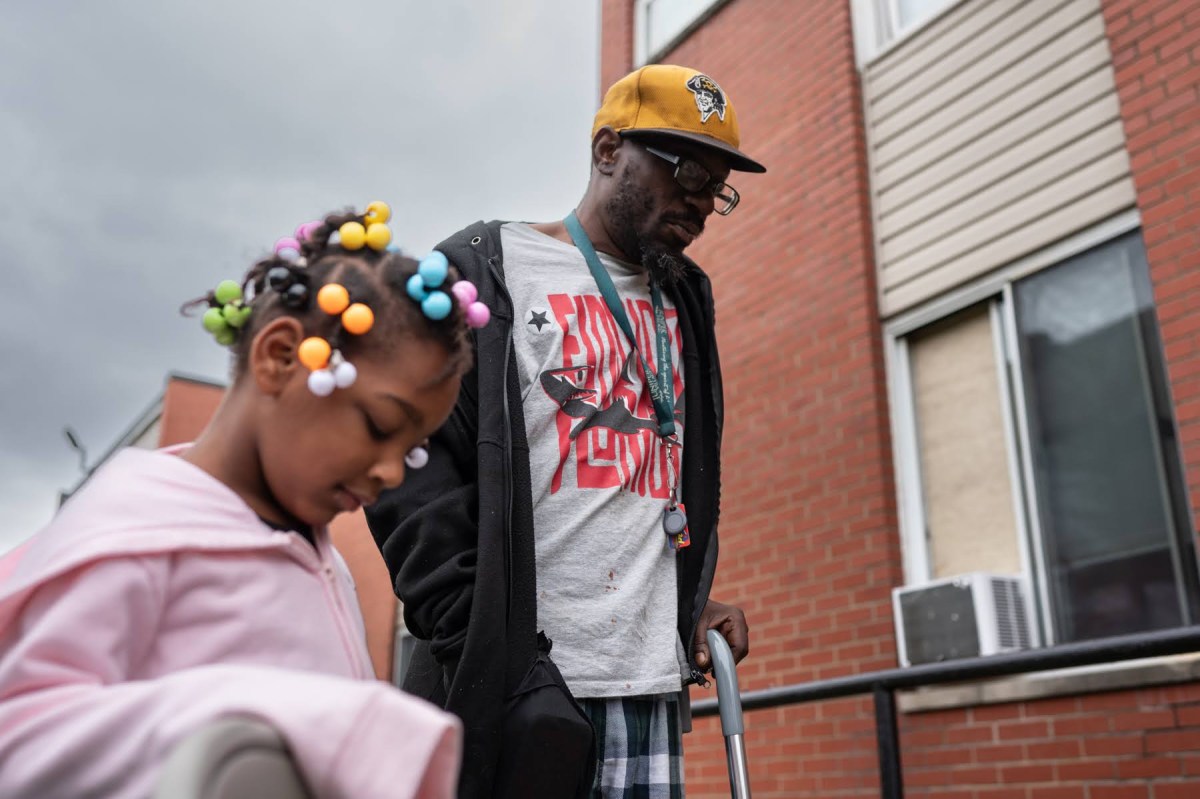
[(641, 747)]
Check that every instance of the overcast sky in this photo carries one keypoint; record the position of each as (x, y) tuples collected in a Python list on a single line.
[(151, 149)]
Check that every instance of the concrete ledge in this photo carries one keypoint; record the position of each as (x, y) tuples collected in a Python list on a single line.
[(1060, 682)]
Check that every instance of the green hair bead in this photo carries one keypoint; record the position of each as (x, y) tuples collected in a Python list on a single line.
[(227, 291), (214, 321)]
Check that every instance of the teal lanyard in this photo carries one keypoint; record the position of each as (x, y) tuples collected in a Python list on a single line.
[(661, 385)]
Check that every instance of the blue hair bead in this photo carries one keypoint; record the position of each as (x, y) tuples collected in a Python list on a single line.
[(433, 269), (437, 305), (416, 288)]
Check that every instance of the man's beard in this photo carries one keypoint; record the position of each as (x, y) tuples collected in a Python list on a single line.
[(626, 208), (665, 267)]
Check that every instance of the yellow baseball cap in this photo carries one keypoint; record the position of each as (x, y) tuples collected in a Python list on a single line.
[(668, 100)]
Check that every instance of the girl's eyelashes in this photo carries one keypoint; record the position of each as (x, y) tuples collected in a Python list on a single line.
[(376, 432)]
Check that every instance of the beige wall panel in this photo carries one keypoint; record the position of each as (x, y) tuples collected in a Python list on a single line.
[(993, 132), (1093, 58), (904, 131), (938, 41), (1087, 211), (1028, 209), (1010, 40), (994, 188), (965, 475), (1077, 111)]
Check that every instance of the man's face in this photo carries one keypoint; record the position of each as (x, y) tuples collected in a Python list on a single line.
[(650, 213)]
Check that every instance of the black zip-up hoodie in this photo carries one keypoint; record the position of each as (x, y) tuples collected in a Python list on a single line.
[(457, 536)]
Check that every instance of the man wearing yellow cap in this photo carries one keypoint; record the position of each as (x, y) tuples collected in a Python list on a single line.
[(573, 495)]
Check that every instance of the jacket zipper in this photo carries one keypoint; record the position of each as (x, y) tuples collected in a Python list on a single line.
[(493, 267), (328, 578)]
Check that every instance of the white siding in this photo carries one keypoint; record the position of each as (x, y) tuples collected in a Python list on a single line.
[(992, 133)]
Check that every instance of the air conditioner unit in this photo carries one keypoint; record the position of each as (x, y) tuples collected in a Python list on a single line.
[(960, 617)]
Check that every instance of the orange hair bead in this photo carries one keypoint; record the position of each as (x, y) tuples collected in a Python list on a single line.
[(333, 298), (314, 353), (358, 319)]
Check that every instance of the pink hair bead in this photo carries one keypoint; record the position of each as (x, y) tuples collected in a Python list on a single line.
[(287, 247), (465, 291), (305, 231), (478, 315)]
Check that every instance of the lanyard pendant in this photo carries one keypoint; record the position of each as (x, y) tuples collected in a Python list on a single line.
[(675, 526), (674, 520)]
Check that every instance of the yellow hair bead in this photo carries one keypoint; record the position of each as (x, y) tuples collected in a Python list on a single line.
[(378, 236), (333, 298), (314, 353), (353, 235), (377, 212), (358, 319)]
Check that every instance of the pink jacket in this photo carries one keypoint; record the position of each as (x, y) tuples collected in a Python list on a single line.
[(157, 601)]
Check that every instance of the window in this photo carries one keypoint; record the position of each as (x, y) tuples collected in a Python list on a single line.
[(402, 653), (661, 24), (1035, 436), (879, 23)]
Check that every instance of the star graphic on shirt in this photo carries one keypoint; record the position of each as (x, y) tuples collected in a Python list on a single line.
[(537, 318)]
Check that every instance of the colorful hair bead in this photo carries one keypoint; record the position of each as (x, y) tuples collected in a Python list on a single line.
[(227, 312), (333, 298), (358, 319), (352, 235), (437, 305), (304, 232), (322, 382), (378, 236), (417, 458), (377, 212), (288, 248), (314, 353), (425, 288), (433, 269), (477, 314), (227, 291)]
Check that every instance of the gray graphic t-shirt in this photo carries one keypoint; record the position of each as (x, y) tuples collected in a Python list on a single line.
[(605, 571)]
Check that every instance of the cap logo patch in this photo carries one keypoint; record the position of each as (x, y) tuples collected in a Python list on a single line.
[(709, 97)]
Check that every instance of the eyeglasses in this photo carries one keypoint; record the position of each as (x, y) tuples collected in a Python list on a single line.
[(693, 177)]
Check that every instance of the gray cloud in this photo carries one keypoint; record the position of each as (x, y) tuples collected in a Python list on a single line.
[(152, 149)]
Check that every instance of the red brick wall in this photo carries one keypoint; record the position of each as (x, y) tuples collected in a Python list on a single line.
[(187, 407), (1156, 55), (1142, 744), (809, 536), (809, 544)]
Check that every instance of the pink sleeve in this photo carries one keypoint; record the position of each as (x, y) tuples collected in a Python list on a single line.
[(72, 725)]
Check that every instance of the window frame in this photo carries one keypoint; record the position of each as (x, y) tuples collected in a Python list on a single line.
[(877, 28), (642, 54), (996, 290)]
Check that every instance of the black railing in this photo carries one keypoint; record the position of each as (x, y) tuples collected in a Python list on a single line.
[(882, 685)]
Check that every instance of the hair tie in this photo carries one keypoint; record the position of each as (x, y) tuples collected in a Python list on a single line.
[(227, 312), (372, 232), (425, 288), (329, 368)]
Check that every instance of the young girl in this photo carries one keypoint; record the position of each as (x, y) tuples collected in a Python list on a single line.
[(186, 585)]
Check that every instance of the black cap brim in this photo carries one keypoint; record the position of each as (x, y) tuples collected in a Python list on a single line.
[(738, 161)]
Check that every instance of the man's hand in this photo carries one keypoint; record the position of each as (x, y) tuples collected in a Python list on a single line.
[(731, 623)]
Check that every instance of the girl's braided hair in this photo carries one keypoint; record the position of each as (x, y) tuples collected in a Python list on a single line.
[(378, 279)]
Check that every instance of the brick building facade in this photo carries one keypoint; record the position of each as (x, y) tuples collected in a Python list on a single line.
[(934, 168)]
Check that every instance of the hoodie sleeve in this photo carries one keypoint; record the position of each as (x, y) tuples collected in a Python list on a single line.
[(428, 532), (76, 721)]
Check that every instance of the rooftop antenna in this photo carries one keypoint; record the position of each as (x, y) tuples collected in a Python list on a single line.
[(73, 440)]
